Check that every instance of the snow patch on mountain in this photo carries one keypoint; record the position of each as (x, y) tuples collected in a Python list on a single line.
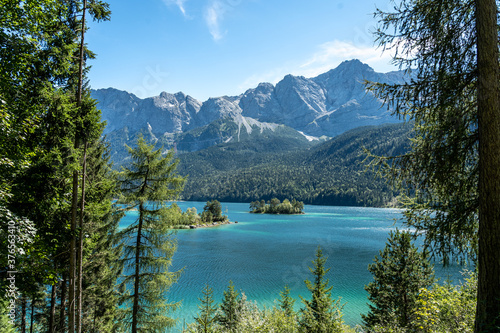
[(309, 137)]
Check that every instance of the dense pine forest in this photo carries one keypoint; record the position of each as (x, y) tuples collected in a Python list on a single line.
[(331, 173), (66, 266)]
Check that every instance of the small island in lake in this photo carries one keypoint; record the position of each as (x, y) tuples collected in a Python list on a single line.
[(210, 217), (274, 206)]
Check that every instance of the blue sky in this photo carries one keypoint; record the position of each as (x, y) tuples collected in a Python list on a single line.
[(210, 48)]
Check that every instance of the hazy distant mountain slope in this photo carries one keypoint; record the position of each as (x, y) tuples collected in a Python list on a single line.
[(262, 137)]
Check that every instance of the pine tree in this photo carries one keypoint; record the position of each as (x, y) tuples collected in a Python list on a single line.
[(452, 174), (230, 308), (149, 245), (399, 272), (286, 302), (206, 320), (101, 252), (321, 314)]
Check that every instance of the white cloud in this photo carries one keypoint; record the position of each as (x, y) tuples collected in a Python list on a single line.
[(214, 14), (328, 56), (178, 3), (331, 54)]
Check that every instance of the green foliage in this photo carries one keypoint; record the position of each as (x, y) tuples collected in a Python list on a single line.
[(5, 322), (212, 212), (252, 319), (439, 176), (149, 246), (205, 322), (321, 314), (230, 308), (399, 272), (286, 302), (447, 308), (276, 207)]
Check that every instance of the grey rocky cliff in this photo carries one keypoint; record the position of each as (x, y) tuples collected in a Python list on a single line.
[(326, 105), (164, 113)]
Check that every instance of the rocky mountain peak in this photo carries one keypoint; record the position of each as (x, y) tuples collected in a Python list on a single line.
[(328, 104)]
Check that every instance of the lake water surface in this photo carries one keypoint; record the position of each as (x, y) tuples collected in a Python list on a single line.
[(263, 253)]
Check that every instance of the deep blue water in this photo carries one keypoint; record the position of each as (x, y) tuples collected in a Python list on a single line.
[(263, 253)]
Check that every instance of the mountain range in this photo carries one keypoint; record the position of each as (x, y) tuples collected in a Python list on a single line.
[(305, 109), (303, 138)]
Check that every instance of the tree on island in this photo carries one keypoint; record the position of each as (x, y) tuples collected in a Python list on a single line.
[(212, 212), (147, 184), (274, 206)]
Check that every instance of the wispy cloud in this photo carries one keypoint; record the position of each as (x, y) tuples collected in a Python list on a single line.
[(178, 3), (331, 54), (327, 56), (214, 14)]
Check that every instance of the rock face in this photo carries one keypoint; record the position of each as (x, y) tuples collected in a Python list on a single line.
[(165, 113), (326, 105)]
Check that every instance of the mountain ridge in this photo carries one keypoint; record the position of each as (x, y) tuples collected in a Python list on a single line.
[(328, 104)]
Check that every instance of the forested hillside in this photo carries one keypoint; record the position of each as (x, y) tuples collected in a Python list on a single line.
[(331, 173)]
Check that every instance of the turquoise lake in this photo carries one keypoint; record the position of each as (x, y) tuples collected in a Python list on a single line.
[(263, 253)]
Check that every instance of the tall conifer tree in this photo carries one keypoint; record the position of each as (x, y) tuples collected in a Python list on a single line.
[(230, 308), (40, 59), (205, 322), (147, 184), (399, 272), (488, 97), (286, 302), (452, 174), (321, 314)]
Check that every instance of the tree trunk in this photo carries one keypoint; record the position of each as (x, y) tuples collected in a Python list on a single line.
[(80, 247), (52, 308), (72, 255), (488, 297), (135, 309), (23, 314), (62, 312), (32, 317), (73, 283)]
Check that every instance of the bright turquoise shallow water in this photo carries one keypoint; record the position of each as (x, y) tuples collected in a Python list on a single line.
[(263, 253)]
